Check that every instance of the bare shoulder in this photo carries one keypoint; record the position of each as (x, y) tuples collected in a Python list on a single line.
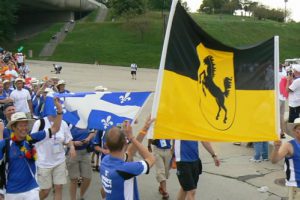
[(288, 147)]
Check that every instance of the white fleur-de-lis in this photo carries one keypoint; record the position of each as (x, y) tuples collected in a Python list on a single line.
[(106, 122), (125, 98)]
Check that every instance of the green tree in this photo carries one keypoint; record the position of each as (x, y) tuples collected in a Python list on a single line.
[(8, 10), (230, 6), (127, 8), (262, 12), (212, 6), (159, 4)]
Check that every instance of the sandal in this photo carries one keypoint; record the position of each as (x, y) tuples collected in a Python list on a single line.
[(160, 190), (165, 195)]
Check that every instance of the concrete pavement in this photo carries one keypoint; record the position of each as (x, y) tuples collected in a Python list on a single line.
[(236, 179)]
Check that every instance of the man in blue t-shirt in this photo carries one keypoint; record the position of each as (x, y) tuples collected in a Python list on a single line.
[(19, 155), (189, 166), (290, 151), (118, 176)]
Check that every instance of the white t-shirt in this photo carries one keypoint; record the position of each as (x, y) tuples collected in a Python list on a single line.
[(133, 67), (50, 151), (20, 58), (294, 96), (20, 98)]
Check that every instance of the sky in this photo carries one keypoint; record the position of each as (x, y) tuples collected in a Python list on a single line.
[(291, 5)]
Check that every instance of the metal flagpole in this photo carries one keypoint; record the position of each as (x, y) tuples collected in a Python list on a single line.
[(276, 71), (162, 66)]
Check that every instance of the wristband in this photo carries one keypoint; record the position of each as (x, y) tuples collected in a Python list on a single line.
[(59, 113), (214, 155), (143, 132)]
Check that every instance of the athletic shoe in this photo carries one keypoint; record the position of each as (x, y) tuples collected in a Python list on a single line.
[(254, 160)]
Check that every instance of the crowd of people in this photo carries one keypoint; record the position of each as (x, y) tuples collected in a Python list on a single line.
[(39, 151)]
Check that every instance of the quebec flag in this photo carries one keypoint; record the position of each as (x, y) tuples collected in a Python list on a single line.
[(98, 110)]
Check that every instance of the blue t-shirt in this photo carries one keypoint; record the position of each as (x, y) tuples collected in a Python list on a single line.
[(79, 134), (2, 97), (19, 177), (119, 177), (6, 133), (7, 92), (35, 104), (186, 151)]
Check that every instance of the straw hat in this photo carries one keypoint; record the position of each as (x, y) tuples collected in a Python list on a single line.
[(100, 88), (291, 126), (18, 117), (6, 81), (19, 79), (61, 82), (34, 81), (54, 78)]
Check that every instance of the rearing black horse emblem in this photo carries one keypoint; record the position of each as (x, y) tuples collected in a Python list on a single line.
[(206, 79)]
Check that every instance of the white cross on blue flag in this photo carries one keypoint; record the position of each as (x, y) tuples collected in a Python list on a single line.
[(98, 110)]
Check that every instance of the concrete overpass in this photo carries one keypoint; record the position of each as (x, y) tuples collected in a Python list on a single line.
[(59, 5), (36, 15)]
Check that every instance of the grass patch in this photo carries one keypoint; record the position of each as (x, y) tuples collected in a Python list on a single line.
[(112, 43), (116, 43), (37, 43), (242, 32)]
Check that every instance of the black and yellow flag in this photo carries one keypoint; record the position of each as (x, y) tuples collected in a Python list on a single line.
[(212, 92)]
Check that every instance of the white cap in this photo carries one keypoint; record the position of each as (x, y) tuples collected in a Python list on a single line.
[(296, 67)]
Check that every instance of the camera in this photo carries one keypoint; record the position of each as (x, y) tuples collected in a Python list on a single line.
[(119, 125), (289, 71)]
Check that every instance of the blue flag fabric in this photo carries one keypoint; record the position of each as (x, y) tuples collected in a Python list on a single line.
[(97, 110)]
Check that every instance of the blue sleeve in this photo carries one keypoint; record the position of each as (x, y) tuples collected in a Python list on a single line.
[(2, 145), (6, 133), (38, 136)]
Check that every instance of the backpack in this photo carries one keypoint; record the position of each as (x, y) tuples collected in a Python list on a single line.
[(4, 164)]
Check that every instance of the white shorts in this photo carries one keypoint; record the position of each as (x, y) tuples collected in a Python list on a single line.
[(30, 195), (57, 175)]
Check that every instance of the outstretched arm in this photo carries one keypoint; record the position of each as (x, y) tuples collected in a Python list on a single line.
[(132, 149), (143, 151), (57, 121), (210, 150)]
